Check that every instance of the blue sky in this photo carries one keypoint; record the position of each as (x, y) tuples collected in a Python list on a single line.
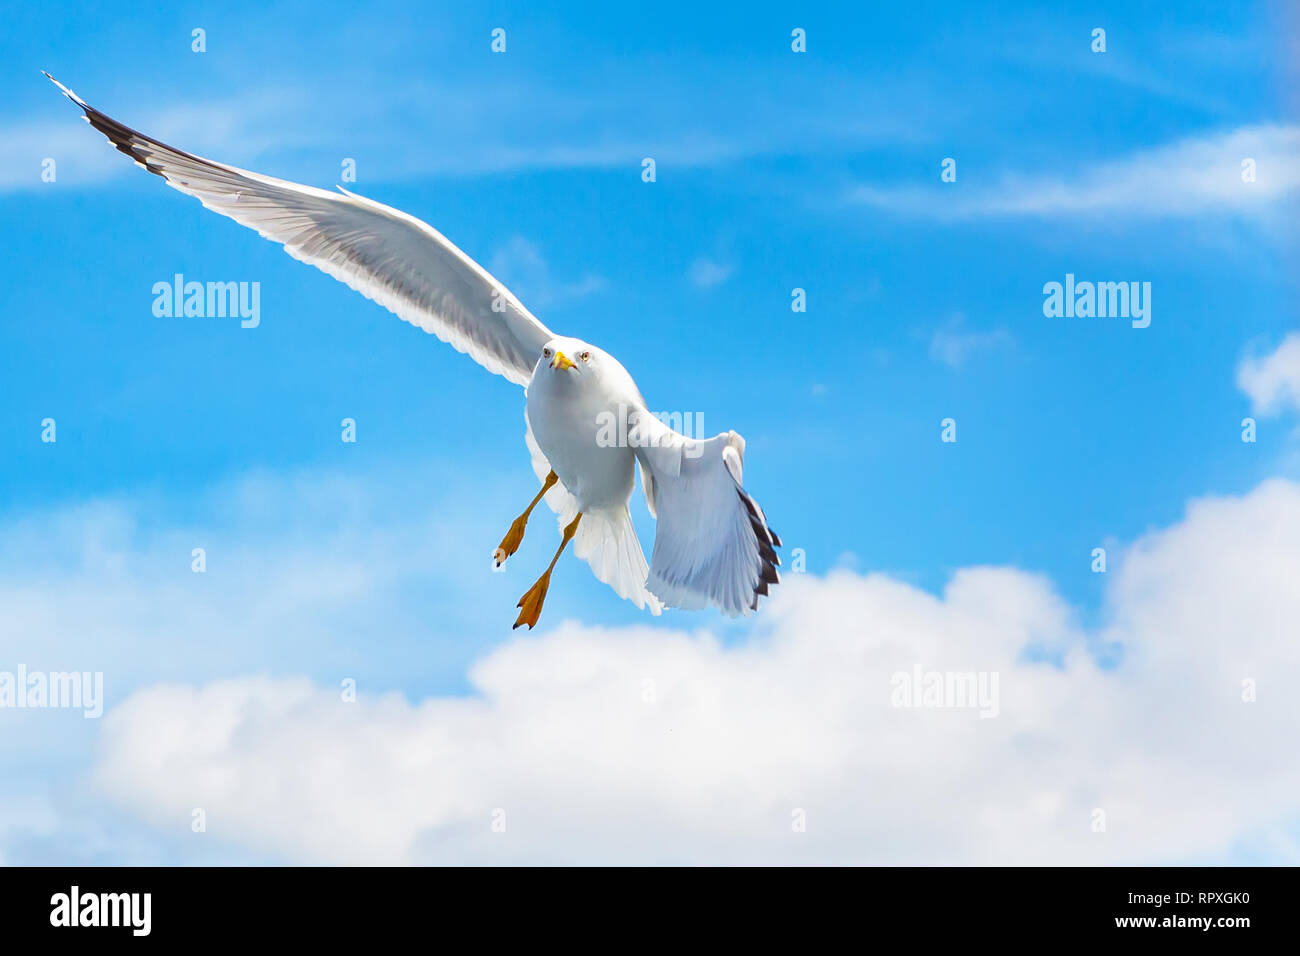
[(775, 170)]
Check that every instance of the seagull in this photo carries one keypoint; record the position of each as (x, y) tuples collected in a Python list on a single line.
[(587, 425)]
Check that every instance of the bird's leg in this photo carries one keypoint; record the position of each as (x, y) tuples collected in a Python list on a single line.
[(515, 536), (531, 603)]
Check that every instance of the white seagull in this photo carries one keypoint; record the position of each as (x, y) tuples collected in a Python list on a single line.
[(586, 420)]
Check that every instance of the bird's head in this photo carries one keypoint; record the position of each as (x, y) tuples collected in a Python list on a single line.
[(570, 357)]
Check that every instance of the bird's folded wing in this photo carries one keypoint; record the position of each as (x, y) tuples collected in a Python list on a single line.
[(712, 542), (404, 264)]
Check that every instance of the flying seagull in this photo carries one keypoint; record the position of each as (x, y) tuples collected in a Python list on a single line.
[(587, 423)]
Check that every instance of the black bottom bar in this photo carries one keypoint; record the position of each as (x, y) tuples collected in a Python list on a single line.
[(1164, 905)]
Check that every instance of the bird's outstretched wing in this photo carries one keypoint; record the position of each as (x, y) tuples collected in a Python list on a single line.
[(404, 264), (712, 542)]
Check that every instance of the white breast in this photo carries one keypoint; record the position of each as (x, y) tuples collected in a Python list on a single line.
[(579, 427)]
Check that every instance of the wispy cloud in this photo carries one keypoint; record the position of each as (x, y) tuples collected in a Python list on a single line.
[(79, 155), (236, 129), (520, 264), (482, 127), (705, 273), (1273, 380), (953, 343), (1184, 179)]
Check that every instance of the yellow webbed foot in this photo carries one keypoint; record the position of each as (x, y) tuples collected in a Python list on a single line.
[(515, 536), (531, 603), (510, 543)]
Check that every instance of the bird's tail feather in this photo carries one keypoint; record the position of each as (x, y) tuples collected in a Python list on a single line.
[(607, 541)]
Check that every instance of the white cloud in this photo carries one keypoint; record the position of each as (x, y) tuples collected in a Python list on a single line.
[(1179, 180), (705, 273), (952, 343), (315, 574), (1273, 381), (561, 736)]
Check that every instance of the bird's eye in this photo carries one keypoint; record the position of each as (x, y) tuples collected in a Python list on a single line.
[(546, 353), (585, 356)]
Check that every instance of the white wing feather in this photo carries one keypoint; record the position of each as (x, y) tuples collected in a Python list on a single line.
[(712, 542), (393, 258)]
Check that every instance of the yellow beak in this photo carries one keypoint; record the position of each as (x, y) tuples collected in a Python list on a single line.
[(561, 361)]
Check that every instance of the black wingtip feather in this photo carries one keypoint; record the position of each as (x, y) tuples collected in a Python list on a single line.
[(124, 139), (767, 542)]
